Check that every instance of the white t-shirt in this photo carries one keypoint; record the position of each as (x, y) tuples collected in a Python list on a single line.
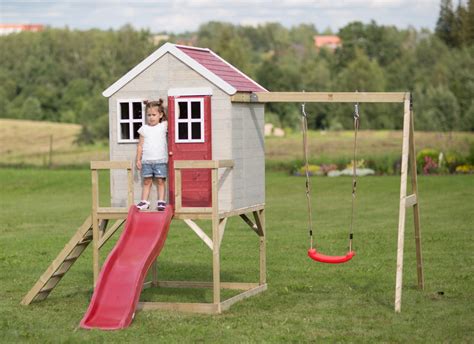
[(155, 143)]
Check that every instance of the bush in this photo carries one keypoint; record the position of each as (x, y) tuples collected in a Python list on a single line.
[(452, 161), (383, 165), (468, 169), (313, 170), (427, 160)]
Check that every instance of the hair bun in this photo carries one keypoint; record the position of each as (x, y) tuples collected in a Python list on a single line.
[(160, 101)]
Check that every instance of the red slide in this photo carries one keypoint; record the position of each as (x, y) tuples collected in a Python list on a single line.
[(121, 279)]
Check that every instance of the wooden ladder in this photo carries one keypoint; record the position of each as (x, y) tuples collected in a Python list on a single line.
[(63, 262)]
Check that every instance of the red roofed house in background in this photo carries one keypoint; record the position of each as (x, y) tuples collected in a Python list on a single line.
[(7, 29), (330, 42), (203, 124)]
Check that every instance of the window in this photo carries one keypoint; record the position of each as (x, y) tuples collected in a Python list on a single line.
[(189, 119), (130, 119)]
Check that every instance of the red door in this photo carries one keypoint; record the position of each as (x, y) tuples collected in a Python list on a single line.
[(189, 136)]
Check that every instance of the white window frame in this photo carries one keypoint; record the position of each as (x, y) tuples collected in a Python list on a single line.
[(188, 120), (130, 120)]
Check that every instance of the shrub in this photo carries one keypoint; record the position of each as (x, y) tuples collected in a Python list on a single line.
[(430, 165), (453, 160), (467, 169), (383, 165), (426, 159), (314, 170)]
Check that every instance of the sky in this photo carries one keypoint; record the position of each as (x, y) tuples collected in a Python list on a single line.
[(179, 16)]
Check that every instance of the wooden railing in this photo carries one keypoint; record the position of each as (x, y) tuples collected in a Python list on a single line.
[(214, 165)]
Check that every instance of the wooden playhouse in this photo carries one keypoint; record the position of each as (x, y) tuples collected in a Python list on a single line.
[(216, 164)]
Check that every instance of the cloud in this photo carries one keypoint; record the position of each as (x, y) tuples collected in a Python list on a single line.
[(185, 15)]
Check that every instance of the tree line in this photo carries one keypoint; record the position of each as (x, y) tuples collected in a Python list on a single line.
[(59, 74)]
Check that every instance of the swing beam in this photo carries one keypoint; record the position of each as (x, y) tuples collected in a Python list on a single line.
[(408, 157)]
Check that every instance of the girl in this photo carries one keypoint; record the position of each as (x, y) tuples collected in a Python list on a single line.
[(152, 153)]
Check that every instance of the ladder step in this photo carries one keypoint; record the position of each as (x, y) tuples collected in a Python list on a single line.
[(61, 274), (45, 291), (69, 259)]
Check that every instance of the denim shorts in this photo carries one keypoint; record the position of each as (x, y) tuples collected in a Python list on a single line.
[(155, 170)]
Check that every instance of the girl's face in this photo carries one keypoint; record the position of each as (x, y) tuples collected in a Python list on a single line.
[(153, 116)]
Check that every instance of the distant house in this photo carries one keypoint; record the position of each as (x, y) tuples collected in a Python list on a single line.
[(7, 29), (330, 42)]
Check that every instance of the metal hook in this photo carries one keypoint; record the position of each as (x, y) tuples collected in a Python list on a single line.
[(303, 110), (356, 111)]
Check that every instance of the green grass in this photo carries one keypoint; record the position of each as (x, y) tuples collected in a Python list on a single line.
[(305, 302)]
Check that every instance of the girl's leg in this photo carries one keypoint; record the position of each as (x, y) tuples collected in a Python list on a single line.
[(160, 188), (147, 182)]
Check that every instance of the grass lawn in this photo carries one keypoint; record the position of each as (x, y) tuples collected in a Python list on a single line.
[(305, 302)]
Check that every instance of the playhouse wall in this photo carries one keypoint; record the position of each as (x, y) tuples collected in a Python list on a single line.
[(248, 152), (153, 83)]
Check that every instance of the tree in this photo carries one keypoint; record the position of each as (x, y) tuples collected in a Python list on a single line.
[(446, 23), (31, 109), (438, 109)]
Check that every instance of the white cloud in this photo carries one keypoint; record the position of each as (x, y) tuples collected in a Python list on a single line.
[(184, 15)]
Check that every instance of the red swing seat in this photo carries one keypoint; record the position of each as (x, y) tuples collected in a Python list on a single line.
[(319, 257)]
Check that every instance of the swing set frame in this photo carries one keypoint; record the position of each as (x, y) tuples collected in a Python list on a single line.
[(408, 159)]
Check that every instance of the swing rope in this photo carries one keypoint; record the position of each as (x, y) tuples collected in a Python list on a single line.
[(312, 252)]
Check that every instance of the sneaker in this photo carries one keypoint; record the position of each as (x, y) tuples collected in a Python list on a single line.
[(143, 205), (161, 205)]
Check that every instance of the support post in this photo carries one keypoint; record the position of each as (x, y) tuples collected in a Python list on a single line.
[(95, 224), (402, 210), (216, 243), (262, 247), (416, 209)]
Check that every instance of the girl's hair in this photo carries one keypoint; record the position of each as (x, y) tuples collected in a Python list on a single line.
[(156, 104)]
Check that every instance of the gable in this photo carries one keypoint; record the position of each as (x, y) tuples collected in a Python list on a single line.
[(203, 61)]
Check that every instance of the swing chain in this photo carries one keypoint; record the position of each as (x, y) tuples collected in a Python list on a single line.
[(354, 172), (304, 123)]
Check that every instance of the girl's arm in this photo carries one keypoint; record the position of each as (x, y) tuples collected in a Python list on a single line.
[(140, 152)]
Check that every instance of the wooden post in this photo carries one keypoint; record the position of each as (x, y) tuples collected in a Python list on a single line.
[(263, 255), (95, 224), (402, 210), (178, 190), (216, 268), (416, 210)]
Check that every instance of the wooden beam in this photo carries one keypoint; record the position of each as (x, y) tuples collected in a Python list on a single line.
[(241, 211), (110, 232), (225, 305), (258, 222), (111, 165), (199, 232), (321, 97), (416, 208), (252, 225), (216, 263), (222, 224), (402, 209), (204, 308), (183, 164), (199, 284)]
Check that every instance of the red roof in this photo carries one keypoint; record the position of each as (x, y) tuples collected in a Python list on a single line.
[(222, 69), (328, 40)]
